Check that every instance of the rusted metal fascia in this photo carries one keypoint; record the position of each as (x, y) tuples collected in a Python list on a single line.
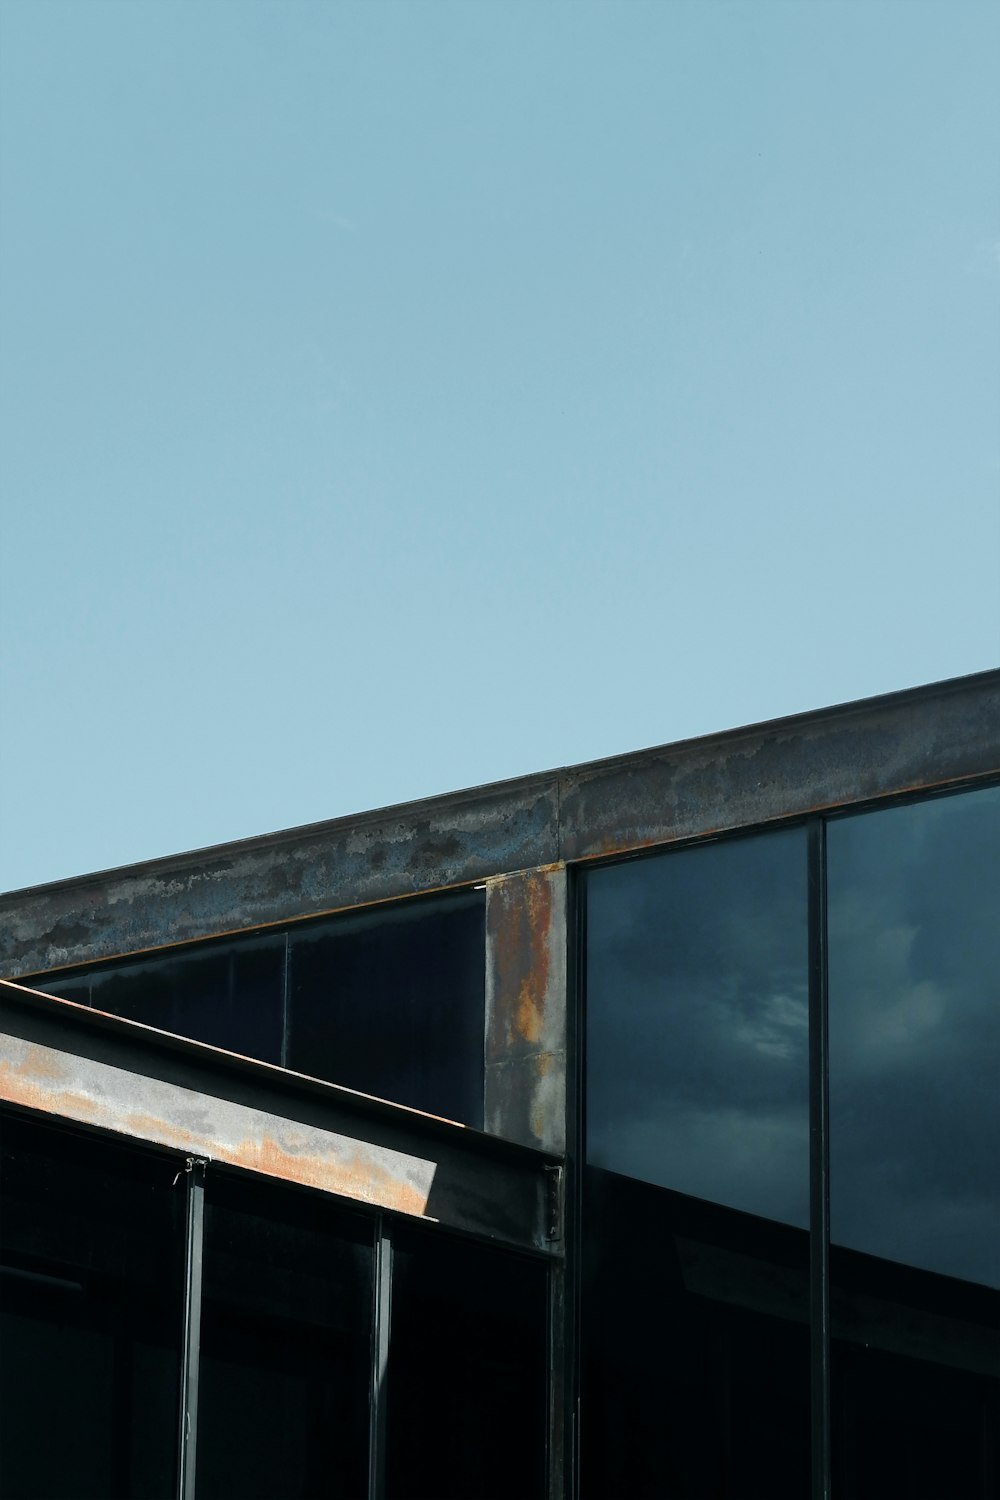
[(908, 742), (525, 1044), (62, 1060), (921, 739), (264, 882)]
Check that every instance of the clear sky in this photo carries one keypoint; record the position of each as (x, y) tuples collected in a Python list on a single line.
[(401, 396)]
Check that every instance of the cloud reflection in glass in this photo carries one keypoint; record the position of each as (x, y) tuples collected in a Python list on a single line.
[(697, 1006)]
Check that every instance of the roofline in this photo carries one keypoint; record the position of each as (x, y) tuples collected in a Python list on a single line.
[(516, 784), (740, 777)]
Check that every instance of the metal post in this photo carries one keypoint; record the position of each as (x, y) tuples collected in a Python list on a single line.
[(194, 1176), (380, 1362), (819, 1165)]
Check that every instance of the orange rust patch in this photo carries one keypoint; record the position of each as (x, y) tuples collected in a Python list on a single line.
[(354, 1175), (38, 1062), (153, 1128), (357, 1178), (529, 931), (17, 1087)]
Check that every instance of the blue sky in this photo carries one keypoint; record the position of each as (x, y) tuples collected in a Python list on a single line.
[(397, 397)]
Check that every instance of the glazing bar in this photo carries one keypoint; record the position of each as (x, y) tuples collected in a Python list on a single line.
[(194, 1175), (819, 1165)]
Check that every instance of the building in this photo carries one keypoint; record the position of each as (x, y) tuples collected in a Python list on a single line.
[(628, 1130)]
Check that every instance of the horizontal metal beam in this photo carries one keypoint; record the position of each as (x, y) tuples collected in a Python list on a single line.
[(61, 1059), (916, 740), (904, 742), (266, 881)]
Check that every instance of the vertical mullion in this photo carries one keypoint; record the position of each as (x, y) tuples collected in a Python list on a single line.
[(819, 1165), (382, 1312), (576, 1163), (194, 1178), (285, 1001)]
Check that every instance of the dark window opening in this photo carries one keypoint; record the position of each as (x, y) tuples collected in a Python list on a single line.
[(388, 1000), (91, 1298), (391, 1002)]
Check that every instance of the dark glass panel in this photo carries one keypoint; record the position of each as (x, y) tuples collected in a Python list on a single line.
[(916, 1393), (229, 994), (695, 1298), (695, 1351), (390, 1001), (285, 1345), (77, 988), (697, 1023), (914, 926), (91, 1303), (914, 1125), (467, 1378)]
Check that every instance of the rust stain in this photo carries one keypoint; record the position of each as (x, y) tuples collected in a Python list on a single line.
[(38, 1062), (543, 1067), (18, 1086), (521, 939), (164, 1132), (359, 1177)]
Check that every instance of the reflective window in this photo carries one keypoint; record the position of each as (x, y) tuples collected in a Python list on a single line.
[(698, 1023), (696, 1199), (695, 1348), (914, 934), (391, 1001), (914, 931), (91, 1303)]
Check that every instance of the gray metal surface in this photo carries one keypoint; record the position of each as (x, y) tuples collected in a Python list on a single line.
[(906, 742)]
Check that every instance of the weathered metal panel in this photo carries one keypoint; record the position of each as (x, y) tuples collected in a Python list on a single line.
[(304, 872), (920, 739), (64, 1060), (905, 742), (525, 1049)]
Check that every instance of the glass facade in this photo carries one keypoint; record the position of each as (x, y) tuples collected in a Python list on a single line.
[(700, 993), (696, 1192), (698, 1023), (914, 936), (769, 1270)]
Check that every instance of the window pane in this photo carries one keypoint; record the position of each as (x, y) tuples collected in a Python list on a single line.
[(915, 1034), (91, 1303), (285, 1345), (229, 995), (467, 1378), (914, 1129), (698, 1023), (391, 1001), (695, 1348), (695, 1277)]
